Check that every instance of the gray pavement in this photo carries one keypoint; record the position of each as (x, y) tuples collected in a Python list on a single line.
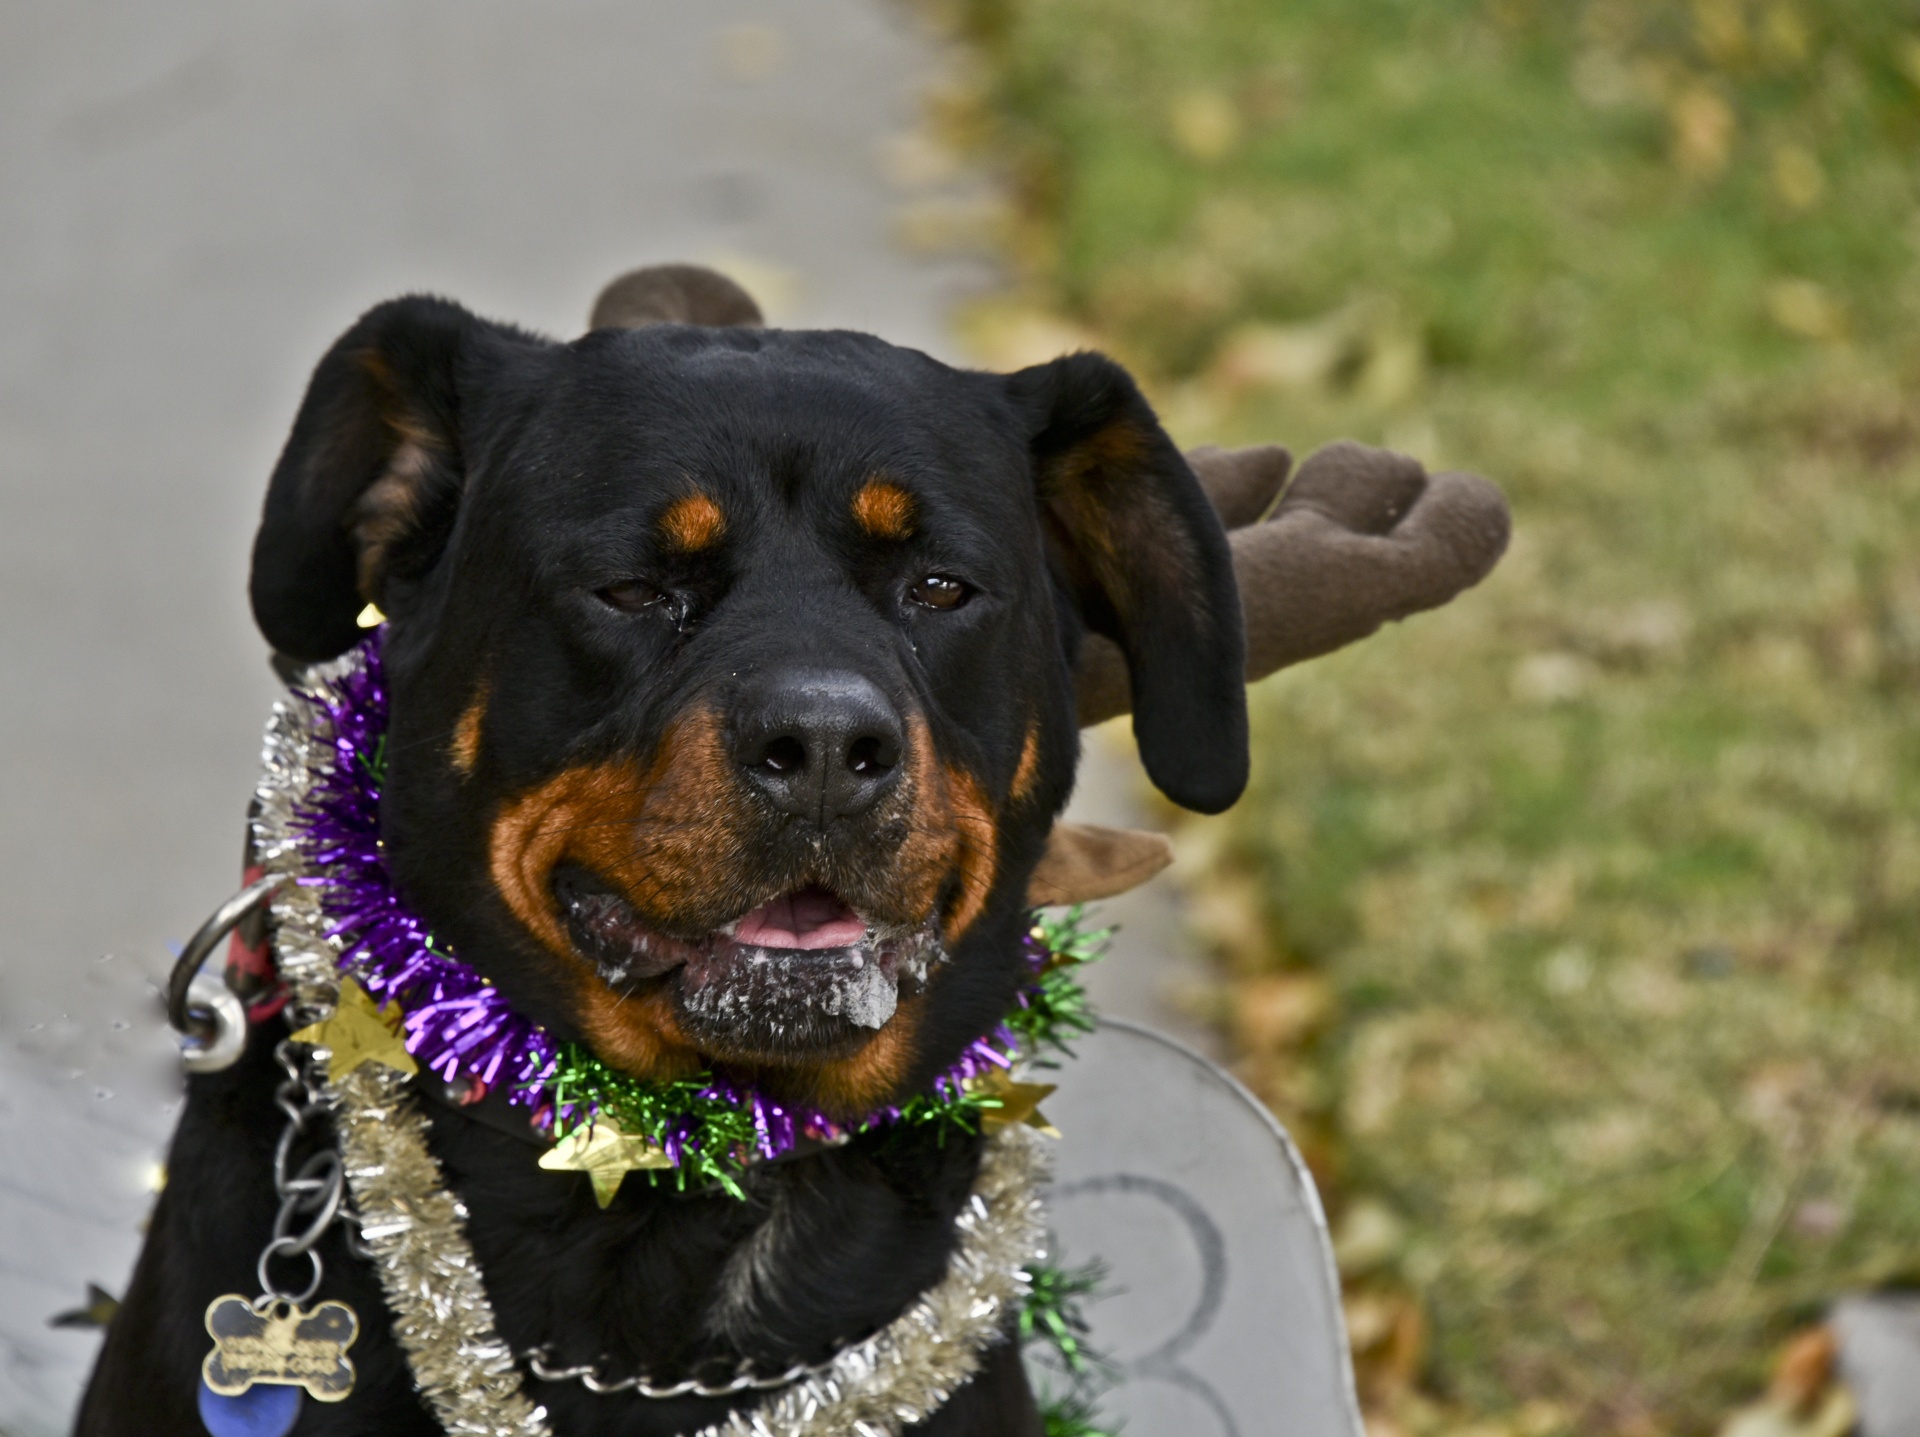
[(1152, 969), (196, 196)]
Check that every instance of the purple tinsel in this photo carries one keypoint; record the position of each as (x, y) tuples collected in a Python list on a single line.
[(458, 1024)]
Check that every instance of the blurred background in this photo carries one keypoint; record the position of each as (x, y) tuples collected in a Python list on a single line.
[(196, 197), (1572, 929)]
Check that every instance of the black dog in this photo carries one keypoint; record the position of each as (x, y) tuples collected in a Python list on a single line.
[(707, 639)]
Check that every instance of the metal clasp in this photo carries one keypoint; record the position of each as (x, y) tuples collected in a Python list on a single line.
[(201, 1008)]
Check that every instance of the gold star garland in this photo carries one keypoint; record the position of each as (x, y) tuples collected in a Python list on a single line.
[(1018, 1103), (605, 1154), (360, 1031)]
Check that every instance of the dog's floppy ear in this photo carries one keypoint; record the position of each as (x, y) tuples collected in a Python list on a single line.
[(367, 485), (1143, 554)]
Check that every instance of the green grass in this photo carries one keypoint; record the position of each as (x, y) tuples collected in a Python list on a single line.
[(1613, 867)]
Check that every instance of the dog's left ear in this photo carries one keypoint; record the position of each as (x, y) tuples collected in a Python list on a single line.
[(1144, 555)]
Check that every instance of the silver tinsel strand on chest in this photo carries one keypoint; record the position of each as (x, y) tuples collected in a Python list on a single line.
[(413, 1223), (416, 1226)]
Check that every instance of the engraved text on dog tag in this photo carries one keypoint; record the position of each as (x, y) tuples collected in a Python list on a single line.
[(292, 1346)]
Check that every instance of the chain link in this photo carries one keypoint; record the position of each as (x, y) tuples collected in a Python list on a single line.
[(313, 1195), (589, 1377)]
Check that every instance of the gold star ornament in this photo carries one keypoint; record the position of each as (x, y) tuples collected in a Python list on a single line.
[(1019, 1102), (605, 1154), (360, 1031)]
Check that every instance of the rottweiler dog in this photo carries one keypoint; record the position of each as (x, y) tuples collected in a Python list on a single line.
[(733, 678)]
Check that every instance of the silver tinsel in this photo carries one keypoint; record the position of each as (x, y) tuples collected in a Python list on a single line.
[(907, 1370), (416, 1226)]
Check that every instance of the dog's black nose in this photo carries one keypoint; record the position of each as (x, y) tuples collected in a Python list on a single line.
[(822, 745)]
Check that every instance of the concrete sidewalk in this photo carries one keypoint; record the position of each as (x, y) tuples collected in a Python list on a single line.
[(195, 199)]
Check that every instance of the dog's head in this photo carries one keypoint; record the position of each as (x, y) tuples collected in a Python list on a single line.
[(732, 670)]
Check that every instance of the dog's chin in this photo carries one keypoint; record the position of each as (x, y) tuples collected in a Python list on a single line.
[(801, 979)]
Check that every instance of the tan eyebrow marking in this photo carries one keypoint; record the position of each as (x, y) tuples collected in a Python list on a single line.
[(692, 523), (884, 509)]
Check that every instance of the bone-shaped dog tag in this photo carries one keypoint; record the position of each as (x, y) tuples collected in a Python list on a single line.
[(283, 1344)]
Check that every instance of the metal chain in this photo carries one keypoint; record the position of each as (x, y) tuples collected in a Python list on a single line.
[(589, 1377), (315, 1191)]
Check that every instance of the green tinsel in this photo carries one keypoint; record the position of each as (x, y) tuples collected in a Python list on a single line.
[(1052, 1316), (649, 1109), (1073, 1417), (1057, 1008)]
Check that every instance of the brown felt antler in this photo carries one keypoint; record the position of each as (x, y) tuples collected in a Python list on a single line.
[(674, 294), (1360, 537)]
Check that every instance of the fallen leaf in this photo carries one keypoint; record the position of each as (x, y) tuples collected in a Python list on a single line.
[(1206, 124), (1804, 308), (1703, 126), (1797, 177)]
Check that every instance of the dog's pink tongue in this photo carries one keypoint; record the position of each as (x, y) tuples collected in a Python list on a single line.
[(809, 919)]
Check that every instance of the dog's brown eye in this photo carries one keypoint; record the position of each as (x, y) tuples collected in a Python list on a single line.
[(937, 591), (630, 597)]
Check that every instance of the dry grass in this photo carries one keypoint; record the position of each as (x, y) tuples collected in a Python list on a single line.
[(1573, 927), (1613, 872)]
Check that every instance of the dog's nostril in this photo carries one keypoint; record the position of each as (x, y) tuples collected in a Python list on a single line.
[(870, 757), (785, 754)]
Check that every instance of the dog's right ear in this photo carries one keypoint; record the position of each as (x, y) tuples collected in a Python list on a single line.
[(1135, 541), (372, 474)]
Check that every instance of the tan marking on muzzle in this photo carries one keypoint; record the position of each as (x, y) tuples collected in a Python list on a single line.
[(587, 815), (853, 1087), (955, 833), (979, 849), (666, 835)]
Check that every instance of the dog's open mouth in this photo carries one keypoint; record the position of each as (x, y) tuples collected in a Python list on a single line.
[(798, 976)]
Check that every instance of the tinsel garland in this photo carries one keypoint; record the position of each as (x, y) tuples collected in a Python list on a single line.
[(905, 1373), (459, 1026), (415, 1226)]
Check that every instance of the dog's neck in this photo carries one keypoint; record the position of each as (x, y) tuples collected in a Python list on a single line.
[(824, 1250)]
